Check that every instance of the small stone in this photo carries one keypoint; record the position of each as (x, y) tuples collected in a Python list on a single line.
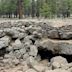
[(33, 50), (9, 48), (15, 61), (17, 54), (31, 61), (25, 56), (17, 44)]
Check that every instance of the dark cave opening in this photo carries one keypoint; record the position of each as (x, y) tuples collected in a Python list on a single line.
[(46, 54), (3, 52)]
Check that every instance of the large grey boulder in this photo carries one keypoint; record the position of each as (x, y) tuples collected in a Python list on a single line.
[(4, 42), (15, 32), (65, 32), (56, 46), (49, 31), (62, 32), (54, 34), (58, 62), (11, 32)]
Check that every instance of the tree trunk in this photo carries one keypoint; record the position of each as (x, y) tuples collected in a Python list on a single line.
[(20, 9)]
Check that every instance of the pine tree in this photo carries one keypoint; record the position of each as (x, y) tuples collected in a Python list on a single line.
[(20, 9)]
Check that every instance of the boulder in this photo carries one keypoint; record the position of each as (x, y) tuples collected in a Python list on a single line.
[(56, 46), (15, 32), (11, 32), (53, 34), (58, 62), (4, 41), (65, 32)]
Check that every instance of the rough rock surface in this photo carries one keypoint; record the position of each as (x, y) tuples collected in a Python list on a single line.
[(21, 41), (58, 62), (56, 46)]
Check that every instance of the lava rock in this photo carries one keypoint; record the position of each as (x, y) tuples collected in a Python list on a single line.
[(33, 50), (9, 48), (17, 54), (25, 56), (56, 46), (53, 34), (15, 32), (65, 32), (2, 33), (4, 42), (58, 62), (17, 44), (22, 51)]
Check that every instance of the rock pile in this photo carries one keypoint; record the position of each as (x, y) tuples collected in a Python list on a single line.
[(21, 41)]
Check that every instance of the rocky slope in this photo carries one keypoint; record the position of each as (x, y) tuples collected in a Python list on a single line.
[(30, 46)]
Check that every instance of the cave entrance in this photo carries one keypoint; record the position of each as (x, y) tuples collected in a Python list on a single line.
[(46, 54), (3, 52)]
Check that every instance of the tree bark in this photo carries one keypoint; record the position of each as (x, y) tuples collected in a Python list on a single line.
[(20, 9)]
